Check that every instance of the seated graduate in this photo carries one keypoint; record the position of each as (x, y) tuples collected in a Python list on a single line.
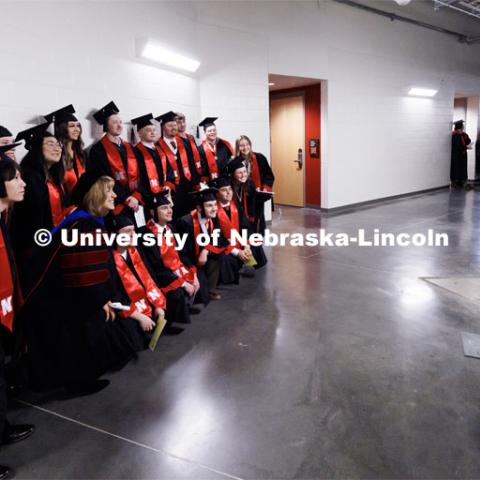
[(156, 173), (136, 286), (115, 158), (68, 130), (178, 282), (44, 203), (231, 218), (209, 259), (12, 189), (71, 334)]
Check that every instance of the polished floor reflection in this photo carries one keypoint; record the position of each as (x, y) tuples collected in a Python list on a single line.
[(332, 363)]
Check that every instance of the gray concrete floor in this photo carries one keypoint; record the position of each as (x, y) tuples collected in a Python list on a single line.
[(332, 363)]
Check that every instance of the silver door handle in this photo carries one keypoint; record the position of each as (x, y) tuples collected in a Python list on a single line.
[(299, 160)]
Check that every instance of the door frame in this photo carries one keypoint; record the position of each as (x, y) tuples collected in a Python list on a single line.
[(273, 96)]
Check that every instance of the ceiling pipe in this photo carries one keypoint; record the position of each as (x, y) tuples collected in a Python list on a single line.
[(393, 16)]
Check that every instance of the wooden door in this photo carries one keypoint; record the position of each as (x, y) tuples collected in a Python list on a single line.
[(287, 129)]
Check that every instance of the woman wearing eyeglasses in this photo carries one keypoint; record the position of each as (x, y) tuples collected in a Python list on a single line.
[(43, 207)]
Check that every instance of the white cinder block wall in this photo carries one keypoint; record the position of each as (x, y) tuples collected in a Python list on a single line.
[(380, 142)]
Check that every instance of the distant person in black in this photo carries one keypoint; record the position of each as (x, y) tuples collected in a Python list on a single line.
[(458, 166)]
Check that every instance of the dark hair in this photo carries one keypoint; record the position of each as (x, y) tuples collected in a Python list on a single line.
[(61, 132), (34, 159), (8, 171)]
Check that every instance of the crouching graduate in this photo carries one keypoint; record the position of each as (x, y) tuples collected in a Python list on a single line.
[(232, 219), (71, 330), (210, 259), (178, 282), (137, 287)]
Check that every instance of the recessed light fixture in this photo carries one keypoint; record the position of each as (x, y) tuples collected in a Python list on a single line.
[(164, 56), (271, 84), (422, 92)]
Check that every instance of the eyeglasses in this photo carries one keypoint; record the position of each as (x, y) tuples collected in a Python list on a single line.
[(52, 144)]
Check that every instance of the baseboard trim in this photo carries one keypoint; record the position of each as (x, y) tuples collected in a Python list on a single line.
[(378, 201)]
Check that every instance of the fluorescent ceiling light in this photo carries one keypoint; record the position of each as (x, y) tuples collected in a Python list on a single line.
[(422, 92), (165, 56)]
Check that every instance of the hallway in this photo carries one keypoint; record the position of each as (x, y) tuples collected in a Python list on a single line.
[(342, 363)]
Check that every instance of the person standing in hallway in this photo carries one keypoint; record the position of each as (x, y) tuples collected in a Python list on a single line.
[(459, 162)]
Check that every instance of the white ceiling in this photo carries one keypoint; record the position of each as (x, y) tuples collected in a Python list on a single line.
[(283, 81)]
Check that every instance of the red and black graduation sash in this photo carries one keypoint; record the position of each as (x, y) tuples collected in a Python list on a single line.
[(197, 229), (152, 172), (142, 294), (227, 224), (183, 158), (172, 160), (171, 260), (125, 178), (256, 177), (72, 175), (211, 155), (6, 286), (55, 194), (242, 198), (196, 153)]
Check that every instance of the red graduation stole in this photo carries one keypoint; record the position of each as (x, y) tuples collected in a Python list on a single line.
[(171, 259), (183, 158), (71, 176), (6, 286), (256, 175), (211, 155), (171, 159), (227, 224), (140, 294), (196, 153), (123, 177), (55, 198), (243, 200), (197, 229), (152, 172)]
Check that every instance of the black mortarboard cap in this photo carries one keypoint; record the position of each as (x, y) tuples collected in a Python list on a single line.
[(62, 115), (235, 164), (166, 117), (5, 132), (84, 184), (459, 124), (105, 112), (205, 195), (207, 122), (31, 134), (121, 221), (220, 182), (158, 199), (142, 121)]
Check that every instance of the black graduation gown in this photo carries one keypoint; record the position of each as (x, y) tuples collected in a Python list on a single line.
[(224, 155), (257, 251), (98, 161), (183, 202), (68, 340), (30, 215), (458, 165), (144, 177), (177, 298)]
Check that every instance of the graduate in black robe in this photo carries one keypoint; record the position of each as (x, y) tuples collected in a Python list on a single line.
[(186, 177), (72, 333), (178, 282), (459, 161), (12, 189), (43, 207), (216, 152), (193, 152), (260, 172), (115, 158), (156, 173)]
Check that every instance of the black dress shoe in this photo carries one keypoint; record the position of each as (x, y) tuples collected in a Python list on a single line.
[(170, 330), (194, 310), (6, 472), (17, 433), (81, 389)]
